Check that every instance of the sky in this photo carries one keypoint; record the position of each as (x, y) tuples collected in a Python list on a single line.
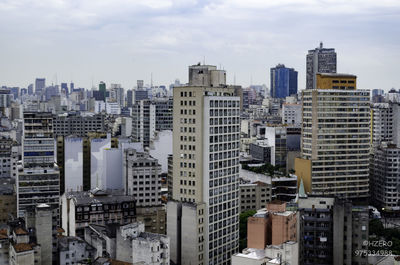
[(121, 41)]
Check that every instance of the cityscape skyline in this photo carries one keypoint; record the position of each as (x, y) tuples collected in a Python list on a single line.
[(123, 41)]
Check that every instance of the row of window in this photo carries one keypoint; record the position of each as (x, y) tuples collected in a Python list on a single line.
[(188, 147), (188, 129), (223, 147), (187, 165), (224, 129), (224, 155), (220, 112), (188, 103), (188, 94), (224, 172), (224, 138), (222, 164), (188, 138), (188, 112), (187, 121), (224, 103)]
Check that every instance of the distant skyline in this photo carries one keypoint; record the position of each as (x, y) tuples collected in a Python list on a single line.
[(121, 41)]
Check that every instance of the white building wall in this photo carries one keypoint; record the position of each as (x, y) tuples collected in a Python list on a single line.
[(73, 153), (161, 147), (152, 110), (291, 114), (99, 106), (190, 238), (112, 169), (96, 160), (396, 124), (113, 108)]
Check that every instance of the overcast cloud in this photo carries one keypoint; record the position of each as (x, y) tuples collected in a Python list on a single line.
[(120, 41)]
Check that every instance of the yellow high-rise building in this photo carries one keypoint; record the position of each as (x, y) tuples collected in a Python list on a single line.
[(335, 143)]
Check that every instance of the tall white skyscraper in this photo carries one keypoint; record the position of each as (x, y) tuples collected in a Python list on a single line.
[(202, 218)]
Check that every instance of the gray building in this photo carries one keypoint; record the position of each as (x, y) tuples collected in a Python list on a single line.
[(40, 84), (329, 229), (261, 151), (254, 196), (142, 178), (133, 245), (385, 177), (129, 98), (102, 238), (141, 94), (8, 200), (149, 116), (38, 179), (279, 187), (77, 124), (204, 212), (81, 208), (128, 243), (72, 250), (5, 100), (6, 161), (33, 238), (319, 60), (385, 118)]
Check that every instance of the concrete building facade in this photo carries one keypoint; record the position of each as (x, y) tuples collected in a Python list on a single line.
[(254, 196), (272, 225), (291, 114), (385, 177), (330, 229), (206, 135), (319, 60), (142, 178), (133, 245), (38, 178), (73, 250), (78, 124), (79, 209), (149, 116), (335, 145)]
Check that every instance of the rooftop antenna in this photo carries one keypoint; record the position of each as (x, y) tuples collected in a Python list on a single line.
[(204, 60), (151, 80), (234, 79), (321, 44)]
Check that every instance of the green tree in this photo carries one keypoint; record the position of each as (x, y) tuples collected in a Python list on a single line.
[(376, 227), (243, 228)]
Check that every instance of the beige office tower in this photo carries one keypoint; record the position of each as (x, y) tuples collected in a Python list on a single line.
[(335, 144), (202, 217)]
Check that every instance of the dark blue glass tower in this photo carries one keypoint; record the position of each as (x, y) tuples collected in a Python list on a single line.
[(283, 81)]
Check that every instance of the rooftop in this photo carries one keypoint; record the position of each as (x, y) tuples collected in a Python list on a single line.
[(252, 253), (22, 247), (150, 236), (20, 231), (109, 230), (108, 261), (64, 242), (337, 75), (98, 196)]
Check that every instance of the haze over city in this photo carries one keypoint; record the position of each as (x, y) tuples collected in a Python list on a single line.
[(122, 41)]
